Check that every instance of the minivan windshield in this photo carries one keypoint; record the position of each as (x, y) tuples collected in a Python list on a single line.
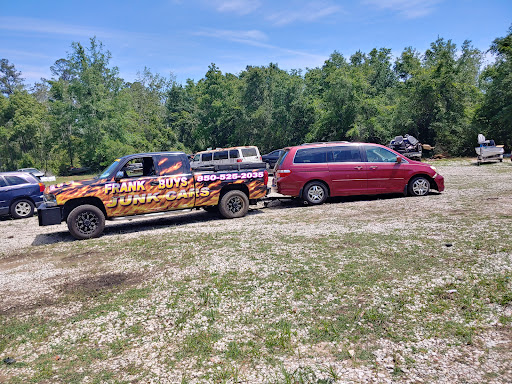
[(281, 158)]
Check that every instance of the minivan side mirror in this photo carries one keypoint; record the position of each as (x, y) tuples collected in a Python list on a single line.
[(398, 159)]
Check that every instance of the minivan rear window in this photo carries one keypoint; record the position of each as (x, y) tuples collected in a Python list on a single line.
[(344, 154), (249, 152), (311, 155)]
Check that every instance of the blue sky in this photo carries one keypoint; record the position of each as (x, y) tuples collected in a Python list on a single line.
[(184, 37)]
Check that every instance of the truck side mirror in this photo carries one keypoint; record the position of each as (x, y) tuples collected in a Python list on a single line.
[(398, 159), (119, 175)]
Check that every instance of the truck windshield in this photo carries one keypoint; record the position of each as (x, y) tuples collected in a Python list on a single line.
[(106, 173)]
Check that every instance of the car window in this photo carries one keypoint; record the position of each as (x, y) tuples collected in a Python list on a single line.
[(248, 152), (197, 157), (222, 155), (2, 182), (138, 167), (207, 156), (234, 154), (15, 180), (311, 155), (171, 165), (344, 154), (379, 155)]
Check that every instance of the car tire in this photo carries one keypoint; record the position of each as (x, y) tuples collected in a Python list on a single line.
[(22, 209), (315, 193), (234, 204), (86, 222), (418, 186)]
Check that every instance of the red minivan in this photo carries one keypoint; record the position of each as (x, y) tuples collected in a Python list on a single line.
[(316, 171)]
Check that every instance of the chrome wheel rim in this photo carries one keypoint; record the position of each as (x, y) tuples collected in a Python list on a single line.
[(420, 187), (235, 204), (316, 193), (87, 222), (23, 208)]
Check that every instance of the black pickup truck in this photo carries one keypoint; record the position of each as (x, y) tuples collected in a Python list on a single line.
[(147, 183)]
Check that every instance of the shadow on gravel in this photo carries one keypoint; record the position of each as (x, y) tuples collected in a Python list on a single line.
[(139, 225), (298, 203)]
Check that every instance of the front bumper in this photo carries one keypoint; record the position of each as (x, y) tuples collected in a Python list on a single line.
[(49, 215), (439, 180)]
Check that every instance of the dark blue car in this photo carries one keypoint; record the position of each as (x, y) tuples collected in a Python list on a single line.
[(20, 193), (272, 157)]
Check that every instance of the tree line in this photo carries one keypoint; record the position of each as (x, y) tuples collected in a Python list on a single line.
[(87, 115)]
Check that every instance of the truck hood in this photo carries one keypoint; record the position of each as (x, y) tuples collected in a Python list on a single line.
[(69, 185)]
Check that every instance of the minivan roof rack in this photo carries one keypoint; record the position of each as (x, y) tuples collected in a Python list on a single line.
[(326, 142)]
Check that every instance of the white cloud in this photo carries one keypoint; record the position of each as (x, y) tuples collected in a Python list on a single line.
[(312, 12), (410, 9), (253, 38), (50, 27), (232, 35), (240, 7)]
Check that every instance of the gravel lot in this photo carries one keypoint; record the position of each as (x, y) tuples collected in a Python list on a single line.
[(443, 259)]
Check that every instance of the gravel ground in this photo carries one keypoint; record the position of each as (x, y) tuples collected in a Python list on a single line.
[(40, 264)]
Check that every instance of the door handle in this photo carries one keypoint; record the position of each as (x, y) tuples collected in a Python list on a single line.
[(358, 167), (373, 167), (154, 182)]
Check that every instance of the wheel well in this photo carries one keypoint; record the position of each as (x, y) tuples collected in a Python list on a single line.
[(18, 198), (72, 204), (433, 184), (232, 187), (319, 181)]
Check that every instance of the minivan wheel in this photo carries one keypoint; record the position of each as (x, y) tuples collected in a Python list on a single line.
[(419, 186), (234, 204), (22, 208), (315, 193), (86, 221)]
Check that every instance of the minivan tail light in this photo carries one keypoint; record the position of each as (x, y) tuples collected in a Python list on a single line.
[(265, 177), (41, 187), (239, 160), (283, 172)]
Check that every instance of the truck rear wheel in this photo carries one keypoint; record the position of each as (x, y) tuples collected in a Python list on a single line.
[(234, 204), (86, 221)]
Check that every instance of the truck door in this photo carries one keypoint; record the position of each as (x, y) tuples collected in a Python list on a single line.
[(175, 181), (135, 189)]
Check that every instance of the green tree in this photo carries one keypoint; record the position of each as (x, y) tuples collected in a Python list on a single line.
[(494, 118), (10, 78)]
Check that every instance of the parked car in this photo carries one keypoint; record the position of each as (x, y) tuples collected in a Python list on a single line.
[(316, 171), (272, 157), (223, 156), (20, 193), (36, 172)]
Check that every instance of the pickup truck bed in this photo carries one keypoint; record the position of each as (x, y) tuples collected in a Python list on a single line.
[(150, 183)]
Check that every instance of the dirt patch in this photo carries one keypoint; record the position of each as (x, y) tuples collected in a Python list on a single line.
[(93, 286), (84, 287), (10, 307)]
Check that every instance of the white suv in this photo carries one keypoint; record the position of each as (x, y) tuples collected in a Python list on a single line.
[(221, 156)]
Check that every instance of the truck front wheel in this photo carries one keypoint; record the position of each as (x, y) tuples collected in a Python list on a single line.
[(234, 204), (86, 221)]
